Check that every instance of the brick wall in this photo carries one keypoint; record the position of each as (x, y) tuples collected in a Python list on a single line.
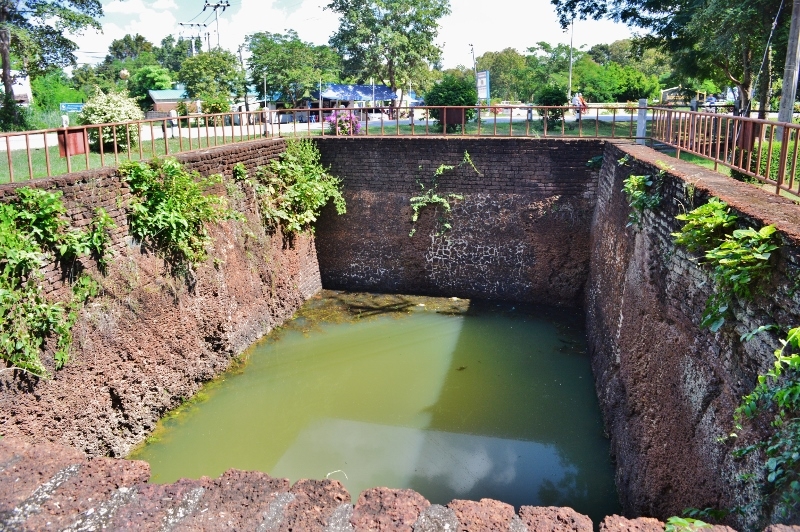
[(521, 231), (83, 192), (667, 386)]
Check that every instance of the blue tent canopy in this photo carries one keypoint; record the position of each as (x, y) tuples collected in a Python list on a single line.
[(361, 93)]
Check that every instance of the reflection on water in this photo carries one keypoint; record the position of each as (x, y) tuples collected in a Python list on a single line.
[(454, 400), (442, 465)]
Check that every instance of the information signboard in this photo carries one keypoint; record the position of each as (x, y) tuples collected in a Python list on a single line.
[(71, 107), (483, 85)]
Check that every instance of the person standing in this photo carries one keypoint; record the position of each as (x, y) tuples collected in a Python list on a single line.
[(576, 104)]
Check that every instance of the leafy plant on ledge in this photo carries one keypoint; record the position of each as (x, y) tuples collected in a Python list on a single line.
[(293, 190), (170, 209), (431, 197), (642, 192), (739, 259)]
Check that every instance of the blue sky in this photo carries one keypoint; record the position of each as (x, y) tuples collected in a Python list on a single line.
[(490, 26)]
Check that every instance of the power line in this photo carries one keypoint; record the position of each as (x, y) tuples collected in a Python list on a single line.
[(216, 7), (199, 31)]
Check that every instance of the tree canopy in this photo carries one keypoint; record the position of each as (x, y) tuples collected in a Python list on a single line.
[(707, 39), (288, 66), (36, 32), (390, 40), (212, 75), (171, 54), (129, 47)]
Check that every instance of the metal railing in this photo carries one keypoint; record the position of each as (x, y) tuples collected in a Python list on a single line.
[(49, 152), (762, 151)]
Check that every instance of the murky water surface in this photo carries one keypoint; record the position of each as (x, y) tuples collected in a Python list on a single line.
[(455, 399)]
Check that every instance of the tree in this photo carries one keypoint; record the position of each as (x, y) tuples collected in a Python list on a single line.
[(547, 65), (129, 47), (390, 40), (171, 54), (506, 72), (149, 77), (612, 82), (35, 31), (211, 75), (53, 89), (86, 79), (711, 39), (288, 66)]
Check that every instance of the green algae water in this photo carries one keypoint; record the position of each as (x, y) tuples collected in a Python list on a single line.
[(452, 398)]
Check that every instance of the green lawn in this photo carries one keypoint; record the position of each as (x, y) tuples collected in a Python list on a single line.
[(58, 165)]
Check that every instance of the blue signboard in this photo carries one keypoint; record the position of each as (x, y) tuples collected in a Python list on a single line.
[(71, 107)]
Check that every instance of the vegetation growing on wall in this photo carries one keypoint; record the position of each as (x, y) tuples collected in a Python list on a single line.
[(643, 192), (33, 232), (170, 209), (738, 258), (740, 261), (292, 190), (430, 196), (777, 396)]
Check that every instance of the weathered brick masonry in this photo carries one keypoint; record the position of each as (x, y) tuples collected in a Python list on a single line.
[(667, 386), (148, 342), (83, 192), (521, 231)]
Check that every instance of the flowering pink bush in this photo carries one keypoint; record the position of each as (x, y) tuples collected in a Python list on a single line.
[(343, 123)]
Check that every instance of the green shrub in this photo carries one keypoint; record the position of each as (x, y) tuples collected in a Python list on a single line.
[(452, 90), (293, 189), (170, 209), (774, 159), (215, 103), (111, 108), (552, 95)]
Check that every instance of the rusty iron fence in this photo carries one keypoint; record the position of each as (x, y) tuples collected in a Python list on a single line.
[(44, 153), (759, 150)]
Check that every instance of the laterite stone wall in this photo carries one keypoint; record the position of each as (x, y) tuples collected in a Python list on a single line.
[(521, 231)]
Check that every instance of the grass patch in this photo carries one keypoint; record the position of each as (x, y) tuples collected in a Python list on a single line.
[(58, 165)]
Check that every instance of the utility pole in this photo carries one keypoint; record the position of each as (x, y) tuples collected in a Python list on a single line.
[(241, 62), (216, 7), (569, 83), (790, 69), (199, 34)]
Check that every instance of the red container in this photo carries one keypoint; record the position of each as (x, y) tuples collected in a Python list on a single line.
[(73, 138)]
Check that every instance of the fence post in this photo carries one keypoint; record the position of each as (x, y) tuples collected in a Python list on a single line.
[(641, 122)]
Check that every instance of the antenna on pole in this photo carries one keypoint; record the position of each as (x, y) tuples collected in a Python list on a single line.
[(216, 7)]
